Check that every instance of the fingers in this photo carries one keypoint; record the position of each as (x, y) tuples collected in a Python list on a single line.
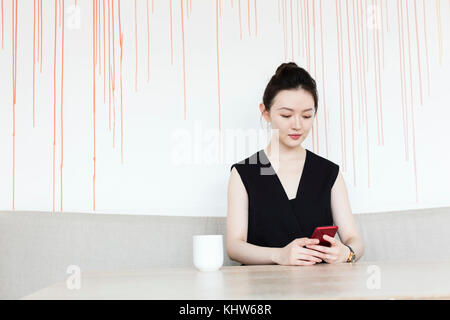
[(322, 249), (310, 252), (308, 258), (313, 253), (307, 241), (330, 239), (327, 254), (299, 262), (332, 259)]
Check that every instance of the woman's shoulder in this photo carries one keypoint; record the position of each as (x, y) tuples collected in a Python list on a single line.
[(247, 169), (250, 161), (323, 162), (327, 169)]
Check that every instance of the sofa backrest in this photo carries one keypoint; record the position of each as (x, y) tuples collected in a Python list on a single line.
[(36, 248)]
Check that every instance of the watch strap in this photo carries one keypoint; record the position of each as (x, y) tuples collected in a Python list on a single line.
[(351, 256)]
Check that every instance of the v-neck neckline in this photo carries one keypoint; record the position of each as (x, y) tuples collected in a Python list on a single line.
[(300, 184)]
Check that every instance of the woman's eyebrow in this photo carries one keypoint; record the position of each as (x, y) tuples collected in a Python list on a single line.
[(310, 109)]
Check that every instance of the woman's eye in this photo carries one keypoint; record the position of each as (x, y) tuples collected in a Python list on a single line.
[(290, 116)]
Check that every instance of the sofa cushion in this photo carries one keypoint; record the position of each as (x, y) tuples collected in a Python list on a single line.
[(37, 247)]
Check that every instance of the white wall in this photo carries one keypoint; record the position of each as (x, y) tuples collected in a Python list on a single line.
[(151, 179)]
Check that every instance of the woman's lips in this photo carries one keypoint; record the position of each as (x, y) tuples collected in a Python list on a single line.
[(295, 136)]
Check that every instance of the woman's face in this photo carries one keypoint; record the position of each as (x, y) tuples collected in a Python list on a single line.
[(292, 113)]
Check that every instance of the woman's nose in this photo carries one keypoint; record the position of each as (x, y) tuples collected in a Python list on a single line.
[(297, 123)]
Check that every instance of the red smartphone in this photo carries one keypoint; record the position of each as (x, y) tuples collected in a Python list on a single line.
[(321, 231)]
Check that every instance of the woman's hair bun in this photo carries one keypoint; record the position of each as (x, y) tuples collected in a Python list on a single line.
[(284, 66)]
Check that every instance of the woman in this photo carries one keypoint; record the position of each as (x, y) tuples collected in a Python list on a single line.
[(273, 213)]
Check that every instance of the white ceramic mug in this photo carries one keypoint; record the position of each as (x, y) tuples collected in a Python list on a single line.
[(208, 252)]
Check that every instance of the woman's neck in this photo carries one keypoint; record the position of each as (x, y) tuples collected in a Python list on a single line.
[(285, 153)]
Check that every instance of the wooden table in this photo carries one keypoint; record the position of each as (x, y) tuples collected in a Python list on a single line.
[(397, 280)]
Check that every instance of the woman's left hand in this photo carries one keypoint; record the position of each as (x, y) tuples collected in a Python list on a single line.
[(336, 252)]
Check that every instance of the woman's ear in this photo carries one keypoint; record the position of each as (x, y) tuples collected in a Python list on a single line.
[(264, 112)]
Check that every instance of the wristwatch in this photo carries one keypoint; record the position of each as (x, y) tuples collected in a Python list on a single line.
[(351, 256)]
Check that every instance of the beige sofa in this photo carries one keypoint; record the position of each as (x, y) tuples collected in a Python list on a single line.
[(37, 247)]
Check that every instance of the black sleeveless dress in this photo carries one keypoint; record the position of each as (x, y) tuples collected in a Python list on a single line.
[(273, 219)]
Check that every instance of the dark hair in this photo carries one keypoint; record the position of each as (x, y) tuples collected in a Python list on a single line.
[(289, 76)]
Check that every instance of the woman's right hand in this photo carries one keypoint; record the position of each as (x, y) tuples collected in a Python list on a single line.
[(294, 254)]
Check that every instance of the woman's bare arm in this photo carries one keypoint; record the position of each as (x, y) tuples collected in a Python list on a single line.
[(343, 217), (238, 248)]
